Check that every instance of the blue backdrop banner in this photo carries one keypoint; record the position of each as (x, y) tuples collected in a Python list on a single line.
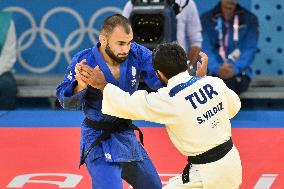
[(50, 32)]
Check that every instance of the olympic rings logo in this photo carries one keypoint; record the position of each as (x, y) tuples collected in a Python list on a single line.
[(46, 34)]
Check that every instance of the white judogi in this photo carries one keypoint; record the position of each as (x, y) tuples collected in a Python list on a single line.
[(193, 126)]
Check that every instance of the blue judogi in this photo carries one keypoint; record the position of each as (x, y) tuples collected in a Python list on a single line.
[(247, 43), (107, 161)]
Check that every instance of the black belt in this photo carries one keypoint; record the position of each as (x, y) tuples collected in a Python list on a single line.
[(209, 156), (108, 128)]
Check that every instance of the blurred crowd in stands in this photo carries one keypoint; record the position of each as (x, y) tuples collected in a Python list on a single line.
[(228, 34)]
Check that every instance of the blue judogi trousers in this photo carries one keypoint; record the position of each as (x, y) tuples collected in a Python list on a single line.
[(108, 175)]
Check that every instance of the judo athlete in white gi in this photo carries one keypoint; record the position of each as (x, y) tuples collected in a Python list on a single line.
[(196, 113)]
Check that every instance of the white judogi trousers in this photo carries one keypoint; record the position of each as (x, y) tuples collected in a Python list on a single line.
[(225, 173)]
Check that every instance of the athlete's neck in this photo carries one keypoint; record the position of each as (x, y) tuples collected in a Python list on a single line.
[(107, 58)]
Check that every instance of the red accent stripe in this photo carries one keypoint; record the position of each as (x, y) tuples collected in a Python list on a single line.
[(56, 150)]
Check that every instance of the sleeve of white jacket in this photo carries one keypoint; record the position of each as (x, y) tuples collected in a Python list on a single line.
[(233, 100), (127, 9), (141, 105), (194, 27), (189, 27)]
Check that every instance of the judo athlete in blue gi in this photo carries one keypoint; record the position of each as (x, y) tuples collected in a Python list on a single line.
[(109, 146), (230, 35)]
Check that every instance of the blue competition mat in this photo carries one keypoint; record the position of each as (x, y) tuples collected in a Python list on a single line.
[(64, 118)]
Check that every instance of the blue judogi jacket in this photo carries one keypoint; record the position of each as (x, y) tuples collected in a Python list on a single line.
[(123, 146), (248, 37)]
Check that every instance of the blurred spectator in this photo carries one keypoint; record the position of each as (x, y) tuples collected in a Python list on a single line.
[(8, 87), (188, 25), (230, 35)]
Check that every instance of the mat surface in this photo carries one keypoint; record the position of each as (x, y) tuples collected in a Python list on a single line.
[(46, 157)]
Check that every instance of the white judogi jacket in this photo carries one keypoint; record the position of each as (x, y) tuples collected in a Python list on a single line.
[(196, 113)]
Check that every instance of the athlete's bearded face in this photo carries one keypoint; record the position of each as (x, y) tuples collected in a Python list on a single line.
[(117, 57), (118, 44)]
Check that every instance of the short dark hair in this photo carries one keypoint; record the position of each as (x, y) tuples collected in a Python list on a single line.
[(113, 21), (170, 59)]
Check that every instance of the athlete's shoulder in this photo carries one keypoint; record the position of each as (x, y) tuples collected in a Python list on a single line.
[(135, 46), (84, 53), (139, 50), (212, 79)]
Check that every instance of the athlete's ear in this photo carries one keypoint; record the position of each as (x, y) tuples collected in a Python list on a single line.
[(162, 77), (103, 40)]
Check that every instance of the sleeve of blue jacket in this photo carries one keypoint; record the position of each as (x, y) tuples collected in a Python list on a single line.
[(65, 91), (248, 45), (210, 43), (147, 71)]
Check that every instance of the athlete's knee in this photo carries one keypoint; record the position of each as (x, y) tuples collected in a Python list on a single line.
[(151, 183), (156, 183)]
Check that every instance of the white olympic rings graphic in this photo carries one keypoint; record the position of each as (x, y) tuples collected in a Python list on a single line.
[(46, 34)]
